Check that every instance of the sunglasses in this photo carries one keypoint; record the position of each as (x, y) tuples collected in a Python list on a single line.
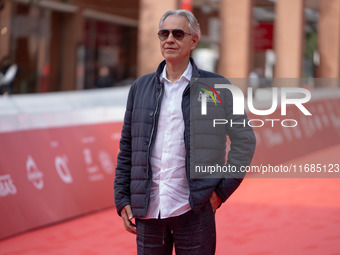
[(178, 34)]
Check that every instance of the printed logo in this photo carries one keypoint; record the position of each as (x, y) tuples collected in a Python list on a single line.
[(106, 162), (63, 170), (7, 186), (34, 175), (93, 171)]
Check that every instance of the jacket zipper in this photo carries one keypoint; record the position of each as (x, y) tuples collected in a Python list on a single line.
[(184, 93), (152, 131)]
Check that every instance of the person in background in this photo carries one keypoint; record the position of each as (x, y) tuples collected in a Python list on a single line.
[(8, 72), (105, 78)]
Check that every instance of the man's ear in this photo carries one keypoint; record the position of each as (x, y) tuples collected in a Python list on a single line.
[(194, 42)]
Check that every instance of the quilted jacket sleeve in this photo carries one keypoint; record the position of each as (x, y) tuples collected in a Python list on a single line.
[(123, 170), (242, 148)]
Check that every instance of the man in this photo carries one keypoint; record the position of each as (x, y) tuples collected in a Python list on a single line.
[(152, 182)]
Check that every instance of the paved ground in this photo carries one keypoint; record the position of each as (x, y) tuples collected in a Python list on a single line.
[(264, 216)]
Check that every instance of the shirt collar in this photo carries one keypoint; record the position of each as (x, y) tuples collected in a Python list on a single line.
[(186, 75)]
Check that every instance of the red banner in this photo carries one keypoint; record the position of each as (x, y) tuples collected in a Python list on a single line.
[(186, 5), (277, 143), (263, 36), (50, 175)]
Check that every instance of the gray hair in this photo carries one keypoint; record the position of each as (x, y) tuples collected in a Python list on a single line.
[(194, 26)]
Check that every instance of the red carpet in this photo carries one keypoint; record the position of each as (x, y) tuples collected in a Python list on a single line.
[(264, 216)]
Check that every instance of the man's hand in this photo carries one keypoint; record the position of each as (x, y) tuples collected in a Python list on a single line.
[(127, 216), (215, 201)]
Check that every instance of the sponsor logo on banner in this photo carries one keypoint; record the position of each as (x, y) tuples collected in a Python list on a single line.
[(7, 186), (106, 162), (34, 175), (92, 169), (63, 170)]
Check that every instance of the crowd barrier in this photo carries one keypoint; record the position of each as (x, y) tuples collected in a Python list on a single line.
[(57, 156), (277, 143), (58, 151)]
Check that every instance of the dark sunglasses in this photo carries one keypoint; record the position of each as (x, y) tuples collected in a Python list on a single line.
[(178, 34)]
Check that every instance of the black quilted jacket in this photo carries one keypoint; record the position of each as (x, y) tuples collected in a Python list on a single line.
[(133, 175)]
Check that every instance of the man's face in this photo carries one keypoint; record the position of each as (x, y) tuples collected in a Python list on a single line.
[(177, 50)]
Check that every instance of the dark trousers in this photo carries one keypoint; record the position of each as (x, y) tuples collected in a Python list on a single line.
[(190, 233)]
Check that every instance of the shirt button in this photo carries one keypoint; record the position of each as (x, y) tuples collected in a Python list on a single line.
[(151, 114)]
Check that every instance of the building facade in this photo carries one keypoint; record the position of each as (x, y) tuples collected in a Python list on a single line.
[(80, 44), (64, 45)]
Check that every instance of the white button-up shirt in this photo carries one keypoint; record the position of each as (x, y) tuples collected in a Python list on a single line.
[(170, 190)]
